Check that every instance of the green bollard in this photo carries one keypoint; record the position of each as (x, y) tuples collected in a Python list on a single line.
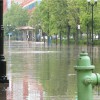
[(85, 78)]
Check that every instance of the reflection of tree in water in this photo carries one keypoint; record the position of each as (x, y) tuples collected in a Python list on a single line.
[(96, 63), (97, 59), (54, 75), (54, 80)]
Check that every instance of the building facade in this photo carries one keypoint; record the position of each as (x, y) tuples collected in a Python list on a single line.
[(18, 1), (4, 6), (27, 4)]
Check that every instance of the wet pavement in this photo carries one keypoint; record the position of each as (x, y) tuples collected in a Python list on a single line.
[(36, 72)]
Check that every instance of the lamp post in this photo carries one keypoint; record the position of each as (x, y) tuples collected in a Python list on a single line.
[(9, 32), (3, 78), (40, 31), (48, 25), (9, 27), (92, 4)]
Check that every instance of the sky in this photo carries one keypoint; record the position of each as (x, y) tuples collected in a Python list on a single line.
[(8, 3)]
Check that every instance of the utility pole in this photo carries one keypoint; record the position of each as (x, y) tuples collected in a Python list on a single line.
[(3, 78)]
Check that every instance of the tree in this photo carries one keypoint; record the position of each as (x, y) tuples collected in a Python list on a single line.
[(52, 15), (15, 17), (59, 16)]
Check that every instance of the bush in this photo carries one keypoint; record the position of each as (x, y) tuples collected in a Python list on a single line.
[(96, 42)]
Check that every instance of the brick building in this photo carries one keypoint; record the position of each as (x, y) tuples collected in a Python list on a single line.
[(27, 4), (4, 5)]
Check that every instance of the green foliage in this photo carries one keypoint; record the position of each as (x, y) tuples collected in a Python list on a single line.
[(96, 42), (51, 14), (55, 16), (15, 17)]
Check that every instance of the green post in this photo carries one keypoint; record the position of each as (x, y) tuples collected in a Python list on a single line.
[(85, 77)]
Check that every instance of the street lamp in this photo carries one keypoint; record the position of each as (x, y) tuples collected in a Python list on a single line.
[(92, 4), (3, 78), (9, 27)]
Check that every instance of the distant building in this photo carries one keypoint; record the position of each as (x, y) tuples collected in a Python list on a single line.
[(18, 1), (4, 6), (27, 4)]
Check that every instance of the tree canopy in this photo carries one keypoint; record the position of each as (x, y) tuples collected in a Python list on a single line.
[(56, 15), (15, 17)]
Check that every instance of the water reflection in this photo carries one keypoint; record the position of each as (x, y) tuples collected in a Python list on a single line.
[(55, 73), (38, 73), (3, 93)]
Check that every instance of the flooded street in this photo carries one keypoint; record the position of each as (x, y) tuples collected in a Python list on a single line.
[(36, 72)]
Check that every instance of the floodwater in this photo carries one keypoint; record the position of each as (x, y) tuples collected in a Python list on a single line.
[(38, 72)]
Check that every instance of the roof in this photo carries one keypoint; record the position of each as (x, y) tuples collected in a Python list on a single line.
[(25, 28)]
